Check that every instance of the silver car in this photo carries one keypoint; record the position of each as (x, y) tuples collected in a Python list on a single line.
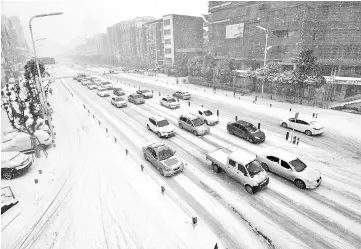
[(290, 167), (136, 99), (163, 158), (193, 124)]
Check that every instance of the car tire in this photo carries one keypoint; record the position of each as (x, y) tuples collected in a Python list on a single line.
[(300, 184), (159, 135), (215, 168), (251, 140), (180, 126), (284, 125), (195, 133), (161, 172), (8, 175), (148, 127), (231, 132), (308, 133), (265, 166), (249, 189)]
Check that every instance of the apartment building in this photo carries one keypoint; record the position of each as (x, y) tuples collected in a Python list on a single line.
[(154, 42), (182, 35), (331, 29)]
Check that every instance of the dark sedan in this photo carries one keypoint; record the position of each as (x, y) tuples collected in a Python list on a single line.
[(145, 94), (246, 131)]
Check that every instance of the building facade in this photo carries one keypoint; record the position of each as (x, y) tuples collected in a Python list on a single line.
[(331, 29), (154, 42), (182, 35)]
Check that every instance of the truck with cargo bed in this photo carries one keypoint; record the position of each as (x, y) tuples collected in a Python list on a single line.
[(242, 166)]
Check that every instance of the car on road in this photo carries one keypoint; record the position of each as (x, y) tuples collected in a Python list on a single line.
[(160, 126), (145, 94), (20, 141), (163, 158), (242, 166), (85, 82), (182, 94), (246, 130), (207, 116), (117, 91), (103, 92), (119, 102), (107, 85), (193, 124), (289, 166), (14, 163), (303, 124), (92, 86), (170, 102), (136, 99)]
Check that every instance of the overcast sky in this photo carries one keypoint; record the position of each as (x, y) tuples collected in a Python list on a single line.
[(88, 17)]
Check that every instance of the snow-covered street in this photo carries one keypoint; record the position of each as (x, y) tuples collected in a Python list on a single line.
[(92, 195)]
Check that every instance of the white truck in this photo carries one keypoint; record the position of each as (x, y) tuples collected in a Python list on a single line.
[(242, 166)]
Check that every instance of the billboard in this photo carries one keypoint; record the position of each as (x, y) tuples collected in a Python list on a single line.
[(234, 30)]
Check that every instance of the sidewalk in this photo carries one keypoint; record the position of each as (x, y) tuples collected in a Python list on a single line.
[(90, 195)]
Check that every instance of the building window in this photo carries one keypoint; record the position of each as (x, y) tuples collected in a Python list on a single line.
[(167, 41), (280, 33), (168, 51), (167, 32), (166, 22)]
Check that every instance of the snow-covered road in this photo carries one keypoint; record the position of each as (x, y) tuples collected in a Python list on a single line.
[(280, 216)]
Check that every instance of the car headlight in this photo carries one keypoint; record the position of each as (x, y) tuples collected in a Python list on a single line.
[(167, 169)]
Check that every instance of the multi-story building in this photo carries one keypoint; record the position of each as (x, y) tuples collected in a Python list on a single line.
[(102, 44), (182, 35), (154, 43), (123, 37), (332, 29), (15, 23)]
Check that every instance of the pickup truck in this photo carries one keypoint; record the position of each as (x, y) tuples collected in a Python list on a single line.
[(242, 166)]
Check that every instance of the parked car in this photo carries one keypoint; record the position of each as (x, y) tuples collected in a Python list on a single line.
[(242, 166), (163, 158), (246, 131), (289, 166), (103, 92), (160, 126), (85, 82), (117, 91), (206, 115), (169, 102), (193, 124), (136, 99), (303, 124), (145, 94), (20, 141), (119, 102), (182, 94), (14, 163), (107, 85)]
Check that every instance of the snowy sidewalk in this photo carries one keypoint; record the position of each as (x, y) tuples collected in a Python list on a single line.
[(91, 195)]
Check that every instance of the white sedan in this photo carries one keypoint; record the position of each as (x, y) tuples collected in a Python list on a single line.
[(14, 163), (304, 124), (290, 167), (20, 141), (170, 102)]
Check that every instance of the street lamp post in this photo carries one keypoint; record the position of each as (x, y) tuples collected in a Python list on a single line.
[(266, 47), (43, 100)]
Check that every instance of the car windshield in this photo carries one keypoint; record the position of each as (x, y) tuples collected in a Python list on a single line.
[(197, 122), (254, 168), (298, 165), (165, 154), (208, 113), (136, 96), (119, 99), (163, 123), (171, 100), (145, 91), (251, 128), (315, 123), (102, 89), (185, 93)]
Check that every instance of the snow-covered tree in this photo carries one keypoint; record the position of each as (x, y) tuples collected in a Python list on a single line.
[(224, 71)]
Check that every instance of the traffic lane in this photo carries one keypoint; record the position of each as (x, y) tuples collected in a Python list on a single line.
[(327, 140), (93, 100), (137, 115)]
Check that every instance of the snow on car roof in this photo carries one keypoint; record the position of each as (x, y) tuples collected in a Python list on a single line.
[(242, 156), (202, 109), (157, 118), (189, 115), (282, 154)]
